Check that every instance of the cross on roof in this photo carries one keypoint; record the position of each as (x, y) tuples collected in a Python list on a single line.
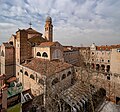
[(30, 24)]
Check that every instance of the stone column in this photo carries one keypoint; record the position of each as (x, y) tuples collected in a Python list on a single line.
[(105, 68)]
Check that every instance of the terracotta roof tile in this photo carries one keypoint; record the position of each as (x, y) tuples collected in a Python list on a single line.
[(47, 44), (106, 47), (46, 67), (76, 93), (11, 79), (66, 49), (103, 47), (32, 31), (37, 39), (115, 46), (7, 44)]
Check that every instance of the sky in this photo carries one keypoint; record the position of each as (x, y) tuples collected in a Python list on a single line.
[(76, 22)]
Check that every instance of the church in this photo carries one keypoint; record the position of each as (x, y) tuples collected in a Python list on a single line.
[(37, 62)]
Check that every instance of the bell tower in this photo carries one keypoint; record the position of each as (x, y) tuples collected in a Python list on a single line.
[(49, 29)]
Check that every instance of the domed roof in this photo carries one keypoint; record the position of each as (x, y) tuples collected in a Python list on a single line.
[(49, 19)]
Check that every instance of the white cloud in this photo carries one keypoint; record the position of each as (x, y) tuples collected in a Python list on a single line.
[(79, 21)]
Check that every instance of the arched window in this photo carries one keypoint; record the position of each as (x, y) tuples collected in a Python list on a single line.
[(41, 81), (32, 77), (21, 70), (38, 54), (26, 73), (2, 53), (55, 81), (57, 54), (11, 42), (44, 54), (63, 76), (69, 73)]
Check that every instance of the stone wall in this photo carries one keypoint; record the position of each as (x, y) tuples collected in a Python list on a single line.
[(110, 82), (115, 61)]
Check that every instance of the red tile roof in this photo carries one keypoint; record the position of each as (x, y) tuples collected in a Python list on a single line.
[(11, 79), (37, 39), (7, 44), (115, 46), (47, 44), (32, 31), (66, 49), (103, 47), (2, 76), (46, 67), (107, 47)]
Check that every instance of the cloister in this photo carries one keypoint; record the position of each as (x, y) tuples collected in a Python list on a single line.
[(99, 67)]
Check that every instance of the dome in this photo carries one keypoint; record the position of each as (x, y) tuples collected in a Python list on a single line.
[(48, 19)]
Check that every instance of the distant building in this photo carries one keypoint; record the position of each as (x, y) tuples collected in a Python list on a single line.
[(71, 55), (115, 60), (104, 58), (84, 54)]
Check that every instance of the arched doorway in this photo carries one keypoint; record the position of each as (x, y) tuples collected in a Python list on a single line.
[(108, 68), (88, 65), (38, 54), (103, 67), (26, 73), (118, 100), (2, 53), (92, 65), (57, 54), (97, 67), (44, 54)]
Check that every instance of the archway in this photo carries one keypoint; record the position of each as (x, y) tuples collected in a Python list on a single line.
[(103, 67), (26, 73), (56, 80), (2, 53), (41, 81), (63, 76), (108, 68), (38, 54), (44, 54), (69, 73), (88, 65), (11, 42), (118, 100), (21, 70), (32, 77), (92, 65), (97, 67), (57, 54)]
